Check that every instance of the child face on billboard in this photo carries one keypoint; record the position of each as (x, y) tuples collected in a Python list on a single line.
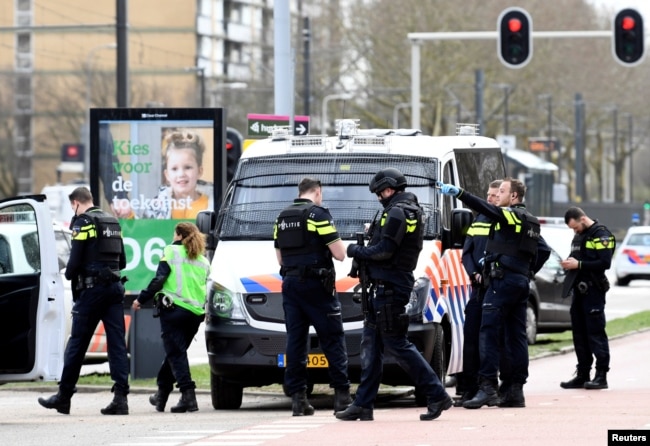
[(182, 172)]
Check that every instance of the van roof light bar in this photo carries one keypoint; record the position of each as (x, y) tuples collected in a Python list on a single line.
[(464, 129)]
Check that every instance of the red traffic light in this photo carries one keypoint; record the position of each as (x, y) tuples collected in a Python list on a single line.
[(515, 43), (72, 153), (628, 23), (514, 25), (628, 36)]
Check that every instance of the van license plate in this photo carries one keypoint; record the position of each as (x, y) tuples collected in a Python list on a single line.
[(316, 360)]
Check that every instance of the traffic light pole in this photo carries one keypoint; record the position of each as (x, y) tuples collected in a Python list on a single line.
[(418, 38)]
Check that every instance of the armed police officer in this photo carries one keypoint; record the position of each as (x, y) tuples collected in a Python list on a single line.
[(515, 251), (305, 242), (591, 255), (391, 257), (96, 258)]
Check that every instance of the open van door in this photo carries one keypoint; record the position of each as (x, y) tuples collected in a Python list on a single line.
[(32, 315)]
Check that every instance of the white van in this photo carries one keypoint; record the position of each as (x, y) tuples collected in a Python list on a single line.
[(245, 331), (32, 309)]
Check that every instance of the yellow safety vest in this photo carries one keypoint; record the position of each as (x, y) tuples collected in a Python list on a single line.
[(186, 284)]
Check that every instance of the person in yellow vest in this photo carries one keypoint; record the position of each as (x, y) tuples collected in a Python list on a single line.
[(179, 290)]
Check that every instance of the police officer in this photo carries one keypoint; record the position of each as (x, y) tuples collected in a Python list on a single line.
[(96, 258), (179, 289), (305, 242), (515, 251), (473, 261), (591, 255), (391, 257)]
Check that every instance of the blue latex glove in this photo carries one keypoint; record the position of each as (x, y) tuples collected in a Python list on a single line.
[(448, 189)]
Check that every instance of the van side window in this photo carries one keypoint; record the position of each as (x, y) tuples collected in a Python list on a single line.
[(478, 168)]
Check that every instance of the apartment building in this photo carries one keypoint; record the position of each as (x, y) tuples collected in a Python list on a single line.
[(58, 58)]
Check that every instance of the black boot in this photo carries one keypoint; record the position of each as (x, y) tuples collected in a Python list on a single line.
[(486, 395), (466, 396), (577, 382), (513, 396), (300, 405), (435, 409), (159, 399), (119, 405), (342, 399), (353, 413), (60, 402), (599, 381), (187, 403)]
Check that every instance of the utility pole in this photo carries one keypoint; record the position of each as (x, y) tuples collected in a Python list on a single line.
[(121, 37), (306, 38)]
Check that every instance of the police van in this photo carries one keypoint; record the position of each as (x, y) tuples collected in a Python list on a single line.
[(245, 331), (32, 309)]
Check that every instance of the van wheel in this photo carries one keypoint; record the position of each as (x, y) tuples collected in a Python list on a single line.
[(531, 324), (438, 362), (225, 395)]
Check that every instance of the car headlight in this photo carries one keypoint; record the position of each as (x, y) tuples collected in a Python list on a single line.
[(224, 303)]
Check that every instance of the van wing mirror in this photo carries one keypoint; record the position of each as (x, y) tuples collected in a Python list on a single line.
[(206, 221), (461, 219)]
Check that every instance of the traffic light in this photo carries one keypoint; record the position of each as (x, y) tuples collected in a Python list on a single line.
[(72, 153), (234, 143), (646, 206), (628, 37), (515, 44)]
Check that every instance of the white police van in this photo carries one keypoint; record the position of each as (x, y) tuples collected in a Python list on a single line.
[(32, 310), (245, 330)]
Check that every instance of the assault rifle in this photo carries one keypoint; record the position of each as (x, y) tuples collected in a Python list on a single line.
[(359, 271)]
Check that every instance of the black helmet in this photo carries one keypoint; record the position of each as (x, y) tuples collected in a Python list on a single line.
[(386, 178)]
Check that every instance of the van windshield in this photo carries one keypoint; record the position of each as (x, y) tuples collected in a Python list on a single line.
[(264, 186)]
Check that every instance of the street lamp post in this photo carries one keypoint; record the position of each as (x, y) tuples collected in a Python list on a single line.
[(201, 73), (396, 110), (507, 89), (326, 99)]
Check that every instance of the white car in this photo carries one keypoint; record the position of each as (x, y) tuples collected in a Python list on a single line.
[(557, 234), (32, 320), (632, 258), (16, 257)]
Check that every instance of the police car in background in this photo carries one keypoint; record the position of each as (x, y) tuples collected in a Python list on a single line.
[(32, 307), (632, 258)]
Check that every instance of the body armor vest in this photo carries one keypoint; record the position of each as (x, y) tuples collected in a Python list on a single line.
[(406, 256), (518, 239), (292, 229), (109, 238)]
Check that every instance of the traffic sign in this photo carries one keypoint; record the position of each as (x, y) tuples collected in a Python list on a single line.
[(261, 126), (543, 144)]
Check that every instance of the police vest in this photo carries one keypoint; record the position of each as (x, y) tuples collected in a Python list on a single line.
[(186, 284), (108, 233), (293, 237), (298, 245), (518, 238), (406, 256)]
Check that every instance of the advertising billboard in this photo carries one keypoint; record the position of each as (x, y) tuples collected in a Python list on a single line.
[(152, 168)]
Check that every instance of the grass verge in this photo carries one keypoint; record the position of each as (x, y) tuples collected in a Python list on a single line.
[(546, 343)]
